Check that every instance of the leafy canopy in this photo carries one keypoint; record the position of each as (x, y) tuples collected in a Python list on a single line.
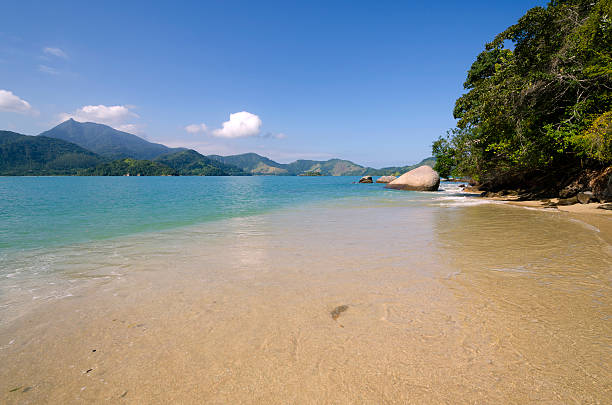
[(544, 104)]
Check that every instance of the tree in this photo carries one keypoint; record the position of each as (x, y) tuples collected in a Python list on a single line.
[(543, 105)]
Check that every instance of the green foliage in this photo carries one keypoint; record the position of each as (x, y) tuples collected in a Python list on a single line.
[(542, 105), (131, 167), (445, 157), (22, 155), (311, 174), (191, 163), (596, 141)]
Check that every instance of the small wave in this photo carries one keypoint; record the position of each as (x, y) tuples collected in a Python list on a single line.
[(584, 224), (512, 270), (455, 201)]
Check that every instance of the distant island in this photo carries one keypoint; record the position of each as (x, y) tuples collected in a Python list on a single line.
[(88, 149)]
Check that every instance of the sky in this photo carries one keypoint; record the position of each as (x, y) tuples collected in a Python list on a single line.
[(372, 82)]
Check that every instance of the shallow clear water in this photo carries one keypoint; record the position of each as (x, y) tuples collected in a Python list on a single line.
[(53, 211), (58, 233)]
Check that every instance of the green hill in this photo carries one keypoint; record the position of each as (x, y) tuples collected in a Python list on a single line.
[(332, 167), (191, 163), (252, 163), (106, 141), (260, 165), (23, 155), (129, 167)]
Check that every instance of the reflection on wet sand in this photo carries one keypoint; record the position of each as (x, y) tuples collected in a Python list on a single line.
[(481, 304)]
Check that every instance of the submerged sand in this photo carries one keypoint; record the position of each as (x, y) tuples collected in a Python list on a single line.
[(479, 304)]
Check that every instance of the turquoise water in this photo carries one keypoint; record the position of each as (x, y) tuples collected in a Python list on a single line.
[(39, 212)]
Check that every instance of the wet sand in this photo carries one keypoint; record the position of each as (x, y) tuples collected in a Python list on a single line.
[(480, 304)]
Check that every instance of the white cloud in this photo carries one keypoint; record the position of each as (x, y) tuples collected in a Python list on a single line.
[(276, 136), (196, 128), (131, 128), (116, 116), (240, 125), (55, 52), (113, 115), (12, 103), (48, 69)]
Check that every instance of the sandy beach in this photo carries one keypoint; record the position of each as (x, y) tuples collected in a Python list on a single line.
[(482, 303)]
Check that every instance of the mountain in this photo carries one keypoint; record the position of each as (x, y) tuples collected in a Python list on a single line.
[(71, 147), (191, 163), (259, 165), (252, 163), (23, 155), (130, 167), (106, 141), (332, 167)]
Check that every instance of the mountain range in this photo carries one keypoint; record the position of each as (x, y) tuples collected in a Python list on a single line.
[(76, 148)]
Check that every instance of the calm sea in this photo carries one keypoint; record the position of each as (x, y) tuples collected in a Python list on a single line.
[(37, 212)]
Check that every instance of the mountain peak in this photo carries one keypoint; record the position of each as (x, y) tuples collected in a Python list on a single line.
[(107, 141)]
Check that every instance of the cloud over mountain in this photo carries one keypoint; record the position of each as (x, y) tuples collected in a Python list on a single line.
[(12, 103), (116, 116)]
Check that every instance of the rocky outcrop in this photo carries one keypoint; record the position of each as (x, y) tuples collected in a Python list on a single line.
[(601, 185), (586, 197), (568, 201), (423, 178), (366, 179), (385, 179)]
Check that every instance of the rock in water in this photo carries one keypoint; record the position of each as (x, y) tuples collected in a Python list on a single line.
[(423, 178), (385, 179), (586, 197), (366, 179)]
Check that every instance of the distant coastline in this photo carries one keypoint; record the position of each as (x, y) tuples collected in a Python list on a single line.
[(88, 149)]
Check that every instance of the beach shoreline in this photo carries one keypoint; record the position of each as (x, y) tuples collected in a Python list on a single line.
[(589, 213), (260, 323)]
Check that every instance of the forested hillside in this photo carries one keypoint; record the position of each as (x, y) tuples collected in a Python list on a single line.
[(538, 106), (23, 155), (191, 163), (106, 141), (130, 167)]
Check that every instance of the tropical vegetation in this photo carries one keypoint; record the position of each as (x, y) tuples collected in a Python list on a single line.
[(538, 98), (129, 167), (23, 155)]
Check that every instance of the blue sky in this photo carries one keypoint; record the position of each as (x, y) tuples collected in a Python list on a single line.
[(373, 82)]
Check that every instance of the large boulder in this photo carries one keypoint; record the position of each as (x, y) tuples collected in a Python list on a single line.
[(385, 179), (366, 179), (423, 178)]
